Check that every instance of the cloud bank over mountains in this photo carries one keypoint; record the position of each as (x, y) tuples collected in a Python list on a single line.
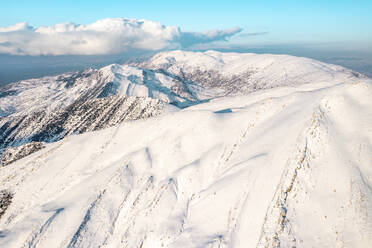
[(106, 36)]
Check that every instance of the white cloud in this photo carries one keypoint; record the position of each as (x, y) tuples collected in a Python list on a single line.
[(107, 36)]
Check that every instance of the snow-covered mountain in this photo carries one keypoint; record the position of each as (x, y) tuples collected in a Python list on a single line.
[(53, 93), (237, 73), (283, 167), (22, 135), (47, 109), (178, 77), (262, 151)]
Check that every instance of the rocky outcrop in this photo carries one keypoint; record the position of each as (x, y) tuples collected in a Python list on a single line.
[(5, 200)]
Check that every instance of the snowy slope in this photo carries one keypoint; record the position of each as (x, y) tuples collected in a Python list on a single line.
[(240, 73), (178, 77), (53, 93), (20, 135), (283, 167), (47, 109)]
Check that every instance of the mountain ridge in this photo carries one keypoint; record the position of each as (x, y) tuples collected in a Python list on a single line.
[(201, 176), (174, 78), (188, 150)]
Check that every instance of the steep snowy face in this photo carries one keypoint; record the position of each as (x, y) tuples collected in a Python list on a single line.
[(284, 167), (241, 73), (22, 135), (48, 109), (53, 93), (134, 81)]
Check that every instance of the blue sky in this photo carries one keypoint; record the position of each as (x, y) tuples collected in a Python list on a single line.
[(329, 23)]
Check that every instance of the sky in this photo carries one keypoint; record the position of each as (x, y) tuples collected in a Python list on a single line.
[(332, 31), (282, 21)]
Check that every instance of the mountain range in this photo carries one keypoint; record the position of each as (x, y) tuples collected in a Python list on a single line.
[(189, 149)]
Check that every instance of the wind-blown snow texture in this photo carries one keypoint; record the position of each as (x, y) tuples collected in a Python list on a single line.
[(281, 167)]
